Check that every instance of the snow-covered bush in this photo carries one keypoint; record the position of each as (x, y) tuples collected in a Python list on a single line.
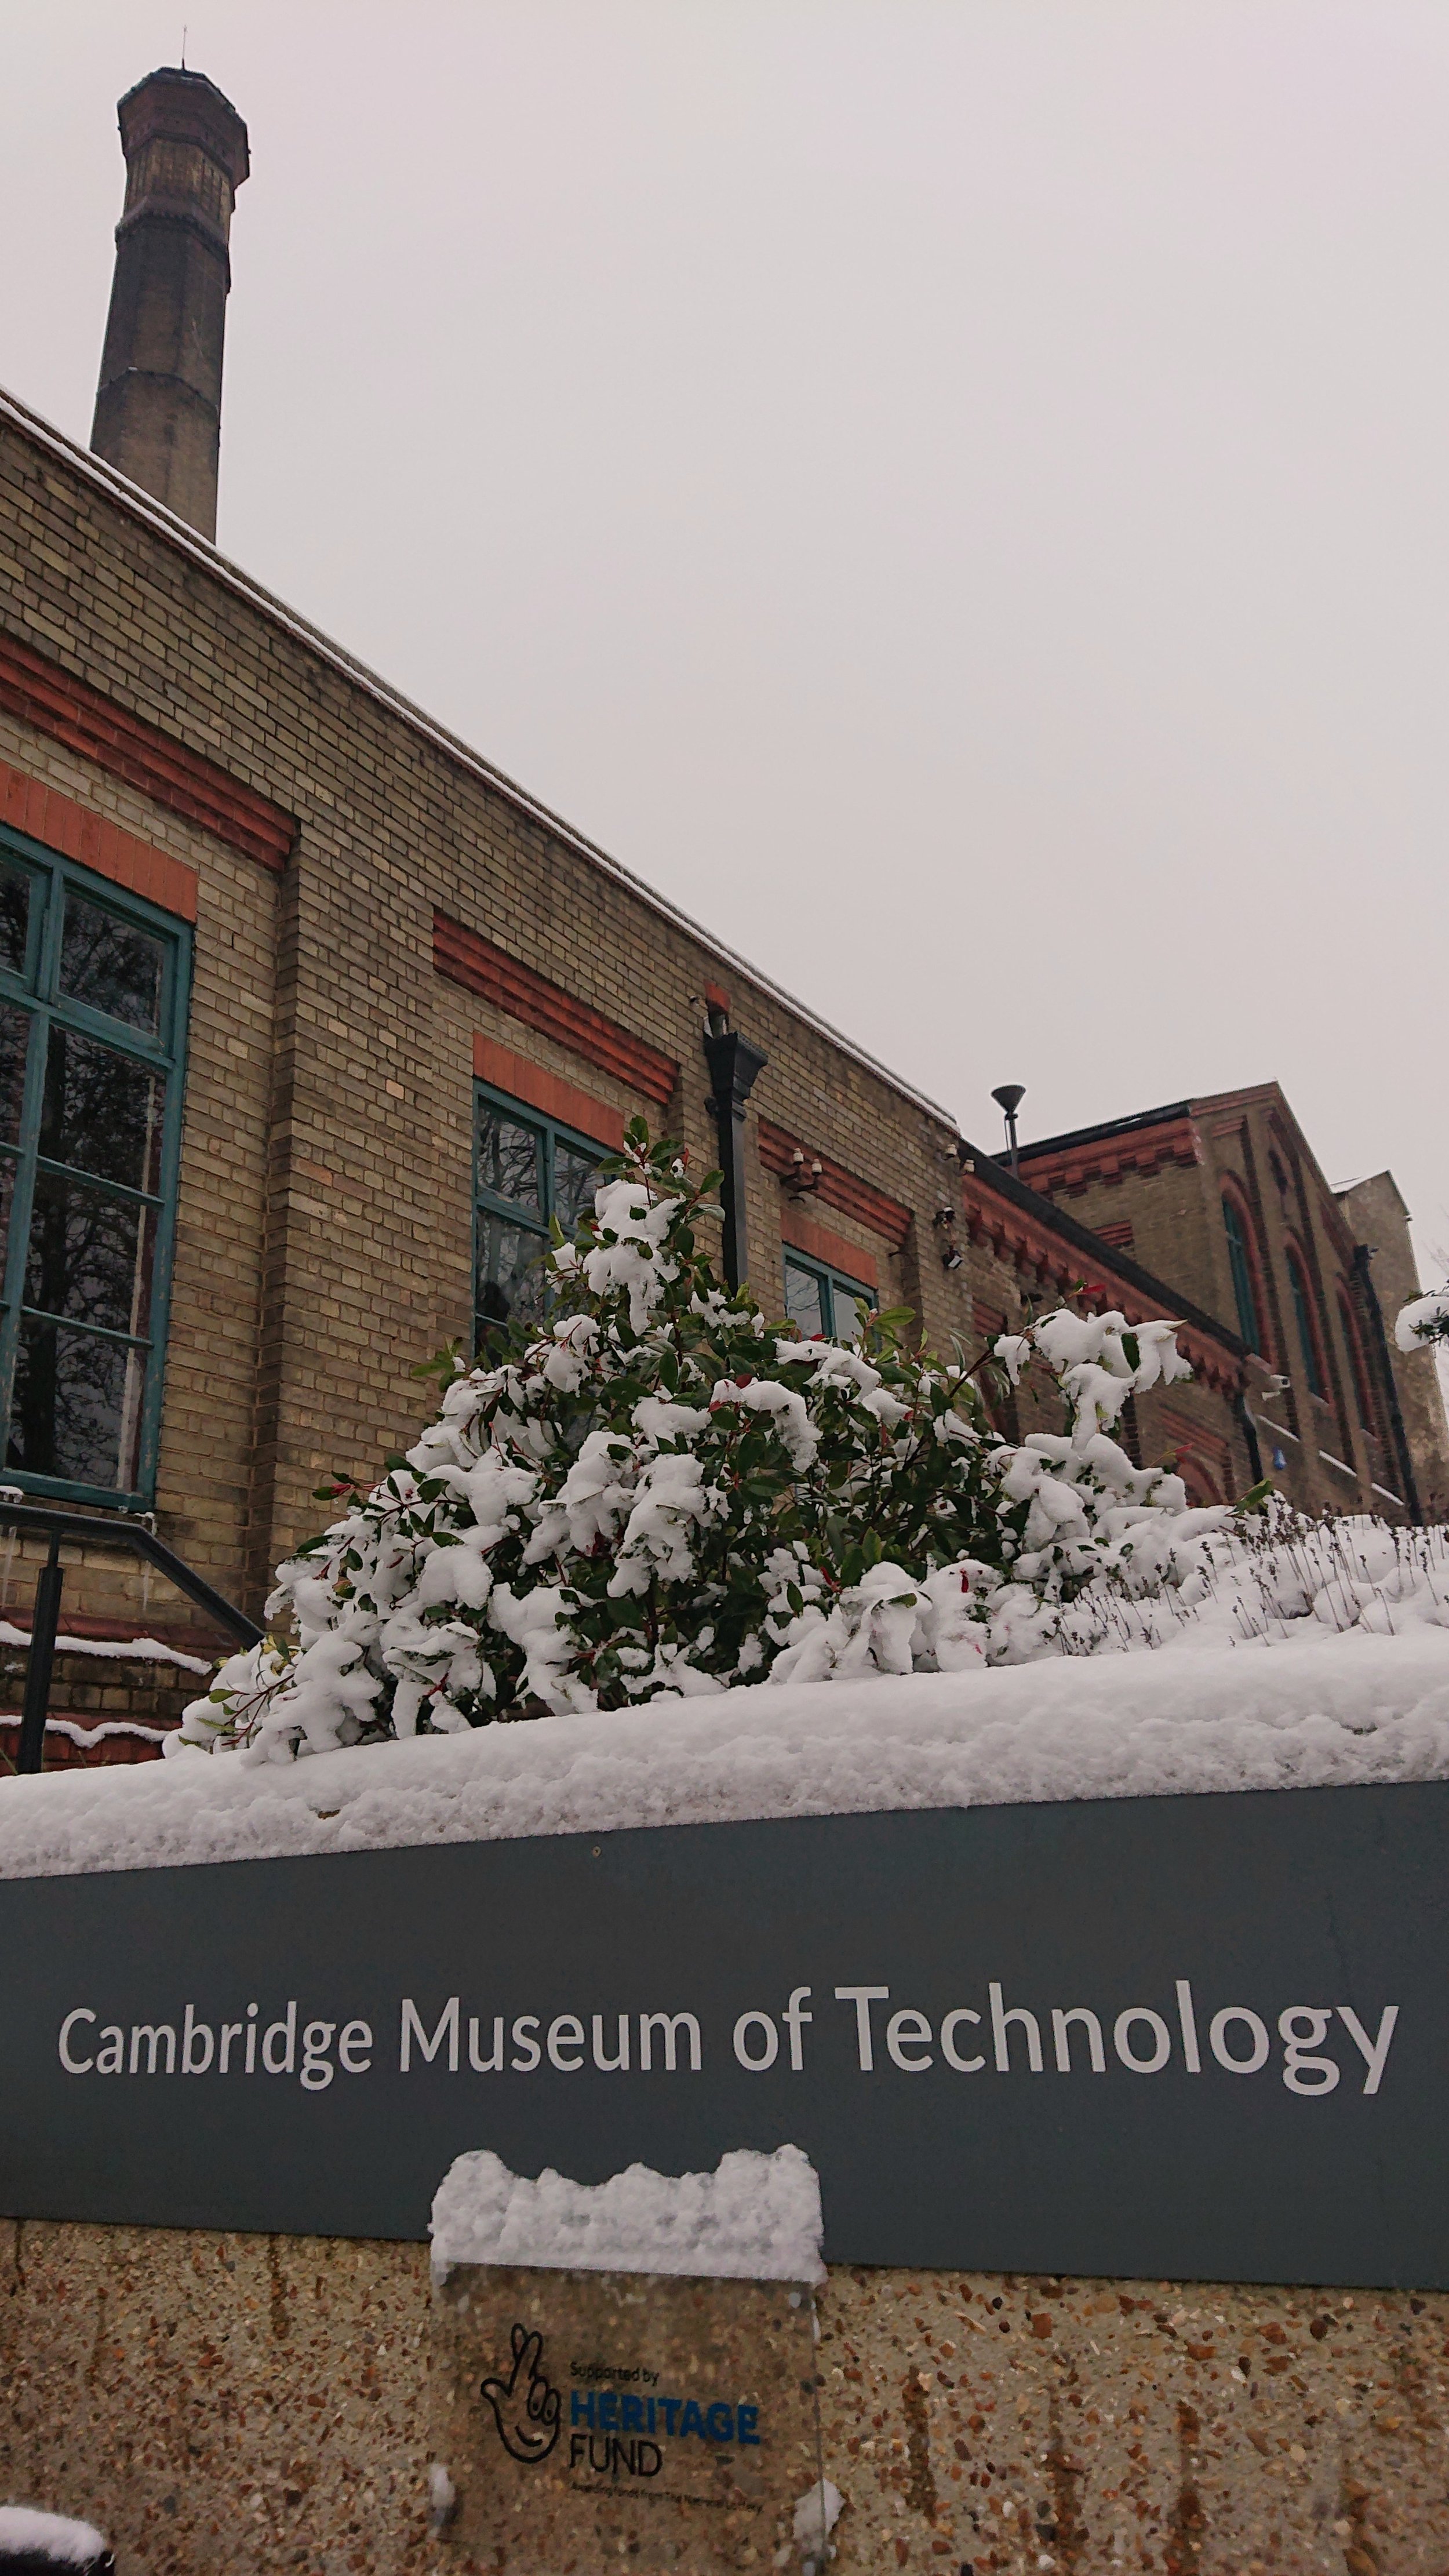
[(662, 1493), (1424, 1319)]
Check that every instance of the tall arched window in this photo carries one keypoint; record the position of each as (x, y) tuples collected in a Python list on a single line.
[(1357, 1371), (1242, 1268), (1303, 1316)]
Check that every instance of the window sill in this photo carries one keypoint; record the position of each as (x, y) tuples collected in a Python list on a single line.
[(90, 1498)]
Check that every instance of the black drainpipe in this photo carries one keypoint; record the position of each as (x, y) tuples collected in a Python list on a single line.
[(1250, 1434), (733, 1068), (1362, 1256)]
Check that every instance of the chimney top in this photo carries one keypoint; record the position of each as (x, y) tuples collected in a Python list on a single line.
[(175, 106), (158, 402)]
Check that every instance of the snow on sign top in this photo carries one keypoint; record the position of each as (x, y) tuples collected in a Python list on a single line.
[(1330, 1712), (755, 2218)]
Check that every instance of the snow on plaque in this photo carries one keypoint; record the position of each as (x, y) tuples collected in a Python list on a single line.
[(628, 2368)]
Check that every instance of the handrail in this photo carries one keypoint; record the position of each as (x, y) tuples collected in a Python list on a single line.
[(45, 1617)]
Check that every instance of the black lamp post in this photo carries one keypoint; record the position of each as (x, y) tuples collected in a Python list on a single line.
[(1010, 1096)]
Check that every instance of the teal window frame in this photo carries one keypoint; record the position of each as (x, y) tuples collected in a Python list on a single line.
[(828, 1281), (37, 990), (1301, 1294), (1240, 1261), (533, 1217)]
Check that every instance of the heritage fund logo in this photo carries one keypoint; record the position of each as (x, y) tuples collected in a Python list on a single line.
[(525, 2406), (621, 2431)]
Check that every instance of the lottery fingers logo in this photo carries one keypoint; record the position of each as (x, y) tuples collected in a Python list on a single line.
[(525, 2405)]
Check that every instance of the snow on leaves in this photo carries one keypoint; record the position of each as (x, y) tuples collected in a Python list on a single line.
[(663, 1494)]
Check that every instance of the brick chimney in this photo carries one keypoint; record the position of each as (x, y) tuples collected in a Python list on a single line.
[(158, 405)]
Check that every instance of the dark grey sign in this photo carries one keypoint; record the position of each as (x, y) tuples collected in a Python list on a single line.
[(1180, 2037)]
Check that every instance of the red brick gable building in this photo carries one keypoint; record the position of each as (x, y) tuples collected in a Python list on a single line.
[(1226, 1195)]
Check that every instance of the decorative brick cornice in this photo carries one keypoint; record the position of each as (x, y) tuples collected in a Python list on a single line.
[(467, 958), (538, 1089), (59, 824), (1042, 1259), (72, 712), (836, 1187), (798, 1234), (1111, 1158)]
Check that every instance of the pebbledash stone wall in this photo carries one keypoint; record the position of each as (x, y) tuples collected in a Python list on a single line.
[(378, 917), (242, 2404)]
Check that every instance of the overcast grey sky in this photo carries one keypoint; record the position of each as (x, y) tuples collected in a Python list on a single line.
[(953, 492)]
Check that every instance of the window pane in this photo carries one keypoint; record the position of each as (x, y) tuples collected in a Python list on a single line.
[(14, 918), (509, 1158), (1306, 1342), (102, 1111), (76, 1411), (111, 965), (575, 1178), (1241, 1269), (803, 1301), (15, 1026), (851, 1311), (90, 1255), (510, 1282)]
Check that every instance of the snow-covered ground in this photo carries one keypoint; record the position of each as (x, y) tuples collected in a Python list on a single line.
[(1329, 1710)]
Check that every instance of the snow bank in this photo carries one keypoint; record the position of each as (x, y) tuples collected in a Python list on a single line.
[(755, 2218), (1327, 1712), (49, 2538)]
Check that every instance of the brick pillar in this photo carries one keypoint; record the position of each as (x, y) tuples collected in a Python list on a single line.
[(158, 405)]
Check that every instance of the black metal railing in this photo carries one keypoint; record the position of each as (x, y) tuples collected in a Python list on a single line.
[(45, 1617)]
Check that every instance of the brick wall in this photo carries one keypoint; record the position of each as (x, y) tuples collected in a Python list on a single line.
[(324, 1241), (1167, 1183)]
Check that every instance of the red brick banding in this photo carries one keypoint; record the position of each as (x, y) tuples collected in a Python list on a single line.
[(1110, 1158), (44, 815), (836, 1187), (798, 1232), (467, 958), (548, 1092), (58, 704)]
